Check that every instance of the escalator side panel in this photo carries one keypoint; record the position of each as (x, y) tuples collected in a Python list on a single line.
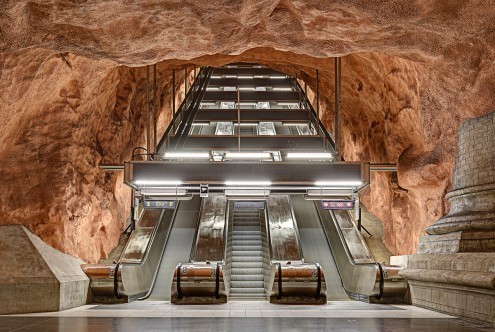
[(210, 236), (283, 233)]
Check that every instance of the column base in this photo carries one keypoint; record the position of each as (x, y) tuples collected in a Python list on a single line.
[(460, 284), (457, 242)]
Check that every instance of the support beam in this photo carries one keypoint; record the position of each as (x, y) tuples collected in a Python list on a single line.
[(155, 109), (338, 152), (148, 131), (173, 99)]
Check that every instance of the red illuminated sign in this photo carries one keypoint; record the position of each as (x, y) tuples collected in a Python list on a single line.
[(337, 204)]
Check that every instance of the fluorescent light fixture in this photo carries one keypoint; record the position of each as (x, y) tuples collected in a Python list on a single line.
[(248, 183), (246, 124), (158, 183), (277, 77), (282, 103), (247, 88), (216, 76), (294, 123), (162, 191), (247, 192), (245, 77), (282, 89), (208, 103), (187, 155), (248, 155), (199, 123), (309, 155), (354, 183)]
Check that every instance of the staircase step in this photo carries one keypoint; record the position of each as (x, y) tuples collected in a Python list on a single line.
[(248, 265), (246, 242), (236, 247), (236, 291), (236, 271), (247, 258), (247, 277), (246, 233), (246, 284)]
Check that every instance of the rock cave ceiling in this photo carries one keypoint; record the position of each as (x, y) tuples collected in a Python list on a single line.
[(71, 96)]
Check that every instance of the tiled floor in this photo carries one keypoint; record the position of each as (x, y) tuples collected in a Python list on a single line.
[(239, 316)]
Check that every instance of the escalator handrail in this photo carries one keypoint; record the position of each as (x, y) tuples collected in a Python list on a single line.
[(217, 281), (318, 287), (179, 289)]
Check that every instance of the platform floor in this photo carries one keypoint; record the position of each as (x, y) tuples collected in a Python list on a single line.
[(240, 316)]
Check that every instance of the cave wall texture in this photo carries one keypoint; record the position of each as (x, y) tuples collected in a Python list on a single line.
[(72, 96)]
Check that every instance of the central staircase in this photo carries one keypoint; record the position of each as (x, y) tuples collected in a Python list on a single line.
[(247, 256)]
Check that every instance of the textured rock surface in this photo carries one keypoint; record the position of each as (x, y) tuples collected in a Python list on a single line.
[(70, 101)]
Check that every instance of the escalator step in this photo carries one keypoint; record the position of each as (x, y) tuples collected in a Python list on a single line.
[(258, 265), (247, 277), (246, 271), (247, 259)]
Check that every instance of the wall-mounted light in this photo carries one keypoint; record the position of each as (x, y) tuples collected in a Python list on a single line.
[(309, 155), (248, 155)]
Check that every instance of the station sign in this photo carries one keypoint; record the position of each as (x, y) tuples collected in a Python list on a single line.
[(203, 190), (337, 204), (154, 203)]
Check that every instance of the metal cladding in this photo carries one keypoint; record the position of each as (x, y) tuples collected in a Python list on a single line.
[(159, 174)]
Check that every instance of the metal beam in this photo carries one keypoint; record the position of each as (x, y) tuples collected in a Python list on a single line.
[(247, 71), (155, 109), (256, 143), (254, 82), (253, 115), (148, 127), (338, 152), (251, 96), (155, 174)]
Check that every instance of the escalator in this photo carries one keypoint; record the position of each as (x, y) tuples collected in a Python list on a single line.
[(350, 266), (145, 261)]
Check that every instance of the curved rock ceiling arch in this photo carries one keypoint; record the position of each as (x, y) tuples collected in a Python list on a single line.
[(71, 95)]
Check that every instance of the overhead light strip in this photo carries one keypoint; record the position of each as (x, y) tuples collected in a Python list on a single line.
[(248, 155), (309, 155), (187, 155)]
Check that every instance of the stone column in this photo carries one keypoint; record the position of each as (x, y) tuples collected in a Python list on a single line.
[(453, 271), (470, 224)]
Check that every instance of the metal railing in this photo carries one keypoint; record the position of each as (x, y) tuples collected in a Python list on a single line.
[(320, 128), (182, 119)]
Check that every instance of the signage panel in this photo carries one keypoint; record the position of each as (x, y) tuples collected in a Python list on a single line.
[(160, 204), (337, 204)]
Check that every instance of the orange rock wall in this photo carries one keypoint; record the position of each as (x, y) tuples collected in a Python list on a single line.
[(71, 96)]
